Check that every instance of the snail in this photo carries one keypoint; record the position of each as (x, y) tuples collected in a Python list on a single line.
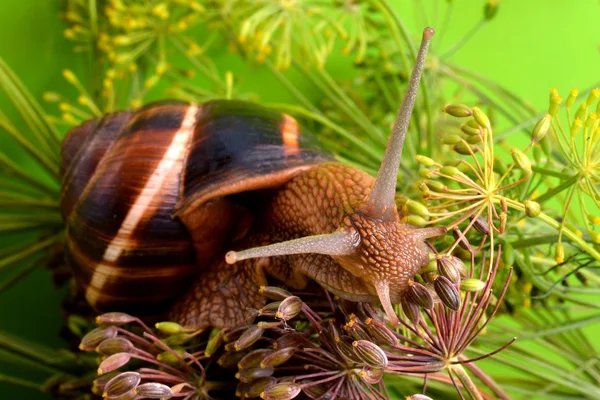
[(187, 208)]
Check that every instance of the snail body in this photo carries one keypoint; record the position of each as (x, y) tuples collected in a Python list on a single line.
[(187, 208)]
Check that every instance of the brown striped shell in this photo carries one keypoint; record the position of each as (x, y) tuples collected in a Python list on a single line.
[(146, 193)]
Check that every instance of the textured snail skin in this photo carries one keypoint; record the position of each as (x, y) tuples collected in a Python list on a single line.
[(318, 200)]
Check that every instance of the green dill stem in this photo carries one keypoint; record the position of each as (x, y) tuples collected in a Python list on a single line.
[(21, 273), (465, 380), (20, 382), (512, 99), (553, 192), (292, 89), (39, 246), (13, 169), (463, 40), (48, 164), (549, 172), (485, 378)]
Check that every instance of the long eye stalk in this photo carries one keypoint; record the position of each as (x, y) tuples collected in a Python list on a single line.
[(382, 196)]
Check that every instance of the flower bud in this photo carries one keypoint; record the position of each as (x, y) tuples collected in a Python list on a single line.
[(458, 110), (471, 128), (541, 129), (425, 161), (249, 374), (464, 149), (411, 310), (274, 293), (371, 375), (169, 358), (417, 208), (215, 340), (576, 127), (521, 160), (474, 139), (559, 253), (179, 339), (418, 397), (90, 341), (278, 357), (370, 353), (490, 10), (70, 77), (281, 391), (532, 208), (508, 254), (122, 384), (481, 118), (381, 333), (253, 359), (447, 292), (415, 220), (169, 328), (472, 285), (115, 345), (270, 309), (554, 106), (100, 383), (115, 318), (419, 295), (113, 362), (451, 139), (355, 328), (572, 97), (593, 96), (450, 171), (248, 338), (291, 339), (289, 308), (269, 324), (581, 111), (591, 120)]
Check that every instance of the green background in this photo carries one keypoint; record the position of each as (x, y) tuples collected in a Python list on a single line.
[(529, 47)]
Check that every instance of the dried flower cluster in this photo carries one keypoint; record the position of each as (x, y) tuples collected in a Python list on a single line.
[(319, 347)]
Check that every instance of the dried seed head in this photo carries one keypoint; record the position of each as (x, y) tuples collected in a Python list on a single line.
[(230, 359), (281, 391), (451, 267), (289, 308), (411, 310), (419, 295), (481, 225), (371, 375), (254, 388), (472, 285), (347, 351), (253, 359), (121, 384), (113, 362), (270, 309), (115, 318), (462, 240), (274, 292), (90, 341), (250, 374), (248, 338), (447, 292), (278, 357), (154, 390), (356, 329), (381, 333), (115, 345), (458, 110), (370, 353)]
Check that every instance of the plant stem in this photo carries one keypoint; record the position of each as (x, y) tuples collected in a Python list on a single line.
[(465, 379)]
